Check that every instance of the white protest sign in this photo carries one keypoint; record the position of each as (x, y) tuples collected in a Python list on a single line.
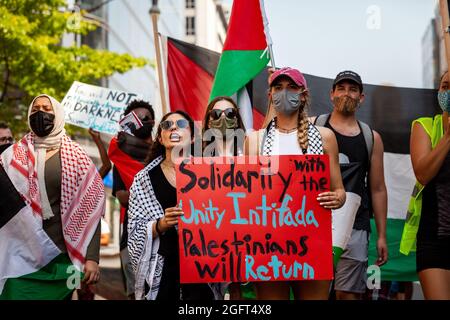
[(99, 108)]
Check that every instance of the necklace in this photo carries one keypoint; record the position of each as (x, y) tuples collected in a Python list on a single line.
[(283, 129)]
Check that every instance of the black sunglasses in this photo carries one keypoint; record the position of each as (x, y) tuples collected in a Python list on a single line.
[(180, 123), (230, 113), (6, 139), (147, 119)]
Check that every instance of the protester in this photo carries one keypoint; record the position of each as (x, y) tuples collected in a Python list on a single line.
[(224, 135), (128, 152), (430, 146), (153, 217), (60, 183), (223, 129), (6, 137), (360, 147), (290, 133)]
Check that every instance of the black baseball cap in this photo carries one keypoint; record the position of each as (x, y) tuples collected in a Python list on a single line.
[(348, 75)]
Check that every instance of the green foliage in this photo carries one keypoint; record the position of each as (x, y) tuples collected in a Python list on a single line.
[(32, 61)]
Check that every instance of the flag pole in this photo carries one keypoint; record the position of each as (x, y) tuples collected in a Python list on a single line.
[(266, 32), (154, 14), (272, 58), (270, 112)]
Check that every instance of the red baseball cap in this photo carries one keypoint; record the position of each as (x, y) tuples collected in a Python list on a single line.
[(294, 74)]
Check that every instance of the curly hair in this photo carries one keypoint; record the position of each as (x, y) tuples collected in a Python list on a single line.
[(135, 104)]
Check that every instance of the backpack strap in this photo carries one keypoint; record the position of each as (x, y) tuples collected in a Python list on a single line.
[(322, 119), (368, 138)]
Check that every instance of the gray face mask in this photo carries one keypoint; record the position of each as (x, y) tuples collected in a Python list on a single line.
[(286, 102)]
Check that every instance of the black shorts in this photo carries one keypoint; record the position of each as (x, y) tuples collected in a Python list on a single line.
[(433, 253)]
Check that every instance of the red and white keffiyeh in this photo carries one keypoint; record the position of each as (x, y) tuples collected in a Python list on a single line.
[(82, 191)]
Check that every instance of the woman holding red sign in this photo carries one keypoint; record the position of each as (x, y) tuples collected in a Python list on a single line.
[(224, 135), (153, 217), (290, 133)]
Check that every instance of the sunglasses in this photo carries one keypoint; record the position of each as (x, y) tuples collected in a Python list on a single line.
[(180, 123), (147, 119), (230, 113), (6, 140)]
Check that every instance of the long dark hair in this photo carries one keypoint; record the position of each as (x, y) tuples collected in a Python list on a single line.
[(157, 148), (211, 105)]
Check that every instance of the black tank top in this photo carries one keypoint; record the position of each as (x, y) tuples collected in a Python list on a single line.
[(354, 150), (435, 218)]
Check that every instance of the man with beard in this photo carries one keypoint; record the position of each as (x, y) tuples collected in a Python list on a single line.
[(6, 137), (361, 154), (128, 152)]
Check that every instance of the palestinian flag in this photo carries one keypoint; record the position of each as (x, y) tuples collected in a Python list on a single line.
[(344, 217), (190, 75), (245, 56), (399, 182), (245, 53), (31, 267)]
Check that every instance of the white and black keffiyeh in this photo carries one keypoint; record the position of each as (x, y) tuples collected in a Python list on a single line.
[(315, 145), (143, 210)]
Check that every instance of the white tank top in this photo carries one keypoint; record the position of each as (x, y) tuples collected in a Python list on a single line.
[(286, 143)]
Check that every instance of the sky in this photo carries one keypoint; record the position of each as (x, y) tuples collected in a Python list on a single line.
[(379, 39)]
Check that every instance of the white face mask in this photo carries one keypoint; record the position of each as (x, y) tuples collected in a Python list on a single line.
[(286, 102)]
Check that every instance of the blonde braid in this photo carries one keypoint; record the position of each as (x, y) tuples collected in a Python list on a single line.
[(302, 130)]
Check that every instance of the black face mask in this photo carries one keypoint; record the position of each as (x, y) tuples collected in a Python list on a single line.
[(143, 132), (3, 147), (42, 123)]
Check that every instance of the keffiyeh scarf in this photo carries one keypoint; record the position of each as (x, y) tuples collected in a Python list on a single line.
[(315, 145), (82, 191)]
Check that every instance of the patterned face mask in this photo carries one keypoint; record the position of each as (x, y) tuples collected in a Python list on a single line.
[(224, 125), (443, 98), (346, 104)]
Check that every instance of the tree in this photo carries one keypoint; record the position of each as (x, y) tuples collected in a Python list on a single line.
[(32, 60)]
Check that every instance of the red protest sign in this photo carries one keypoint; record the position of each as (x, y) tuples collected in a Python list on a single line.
[(254, 222)]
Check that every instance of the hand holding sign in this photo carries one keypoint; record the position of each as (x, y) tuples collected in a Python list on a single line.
[(170, 218), (330, 200), (89, 106)]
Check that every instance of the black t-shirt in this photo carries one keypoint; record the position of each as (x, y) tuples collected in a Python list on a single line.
[(166, 195), (354, 150), (118, 185)]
